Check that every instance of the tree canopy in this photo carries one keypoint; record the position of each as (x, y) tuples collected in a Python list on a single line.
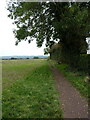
[(65, 22)]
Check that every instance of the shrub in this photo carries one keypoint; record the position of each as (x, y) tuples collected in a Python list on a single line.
[(35, 57), (83, 63)]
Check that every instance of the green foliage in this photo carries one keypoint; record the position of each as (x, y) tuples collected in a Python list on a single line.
[(49, 20), (83, 63), (46, 51), (88, 57), (32, 93), (67, 23), (36, 57)]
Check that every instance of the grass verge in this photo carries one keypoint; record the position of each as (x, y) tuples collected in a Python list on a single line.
[(33, 95)]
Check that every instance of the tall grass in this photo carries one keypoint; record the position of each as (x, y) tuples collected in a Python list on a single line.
[(32, 93)]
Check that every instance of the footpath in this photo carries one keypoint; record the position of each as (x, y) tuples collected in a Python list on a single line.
[(72, 103)]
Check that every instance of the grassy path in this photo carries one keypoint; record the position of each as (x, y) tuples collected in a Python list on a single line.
[(29, 90)]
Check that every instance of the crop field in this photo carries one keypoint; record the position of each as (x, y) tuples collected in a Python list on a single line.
[(29, 90)]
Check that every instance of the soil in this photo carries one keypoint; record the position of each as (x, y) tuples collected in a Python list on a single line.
[(72, 103)]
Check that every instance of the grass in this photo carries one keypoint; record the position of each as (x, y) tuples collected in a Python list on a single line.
[(77, 79), (29, 90)]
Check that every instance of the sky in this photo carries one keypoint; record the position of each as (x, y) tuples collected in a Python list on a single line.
[(7, 39)]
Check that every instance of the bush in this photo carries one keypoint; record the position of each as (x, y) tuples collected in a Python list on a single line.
[(80, 63), (12, 58), (83, 63), (36, 57), (88, 59)]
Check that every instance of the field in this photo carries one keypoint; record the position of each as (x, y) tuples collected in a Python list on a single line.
[(29, 90)]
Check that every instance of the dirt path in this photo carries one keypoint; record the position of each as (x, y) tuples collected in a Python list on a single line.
[(73, 105)]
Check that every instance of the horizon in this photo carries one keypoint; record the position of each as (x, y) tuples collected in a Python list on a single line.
[(24, 55)]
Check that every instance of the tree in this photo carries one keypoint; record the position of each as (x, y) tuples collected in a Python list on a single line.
[(51, 22)]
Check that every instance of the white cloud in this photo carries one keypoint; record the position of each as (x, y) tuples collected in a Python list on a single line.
[(7, 44)]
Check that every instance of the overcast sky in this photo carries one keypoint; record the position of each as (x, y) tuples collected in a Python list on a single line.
[(7, 40)]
